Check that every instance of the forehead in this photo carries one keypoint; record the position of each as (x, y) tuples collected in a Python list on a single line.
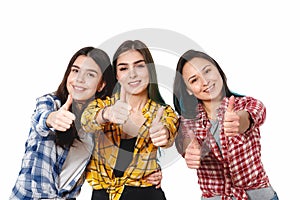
[(196, 65), (129, 57), (86, 63)]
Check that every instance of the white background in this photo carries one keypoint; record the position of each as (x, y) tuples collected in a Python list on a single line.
[(255, 42)]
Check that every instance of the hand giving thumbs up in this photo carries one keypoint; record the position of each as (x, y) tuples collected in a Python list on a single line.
[(193, 152), (159, 134), (120, 111), (231, 119), (61, 119)]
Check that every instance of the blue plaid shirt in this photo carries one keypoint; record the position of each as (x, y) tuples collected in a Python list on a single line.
[(43, 160)]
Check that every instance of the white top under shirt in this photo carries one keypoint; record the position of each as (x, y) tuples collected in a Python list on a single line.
[(77, 159)]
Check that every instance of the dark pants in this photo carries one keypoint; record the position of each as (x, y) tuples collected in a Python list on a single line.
[(133, 193)]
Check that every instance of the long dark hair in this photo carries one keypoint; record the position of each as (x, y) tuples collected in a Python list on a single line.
[(184, 103), (153, 90), (65, 139)]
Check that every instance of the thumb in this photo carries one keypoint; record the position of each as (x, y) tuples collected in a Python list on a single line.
[(68, 103), (190, 134), (159, 114), (194, 144), (122, 94), (230, 107)]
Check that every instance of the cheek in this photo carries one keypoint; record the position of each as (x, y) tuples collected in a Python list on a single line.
[(94, 85), (120, 76), (195, 89), (69, 84)]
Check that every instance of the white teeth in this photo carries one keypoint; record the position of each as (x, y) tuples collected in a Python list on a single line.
[(134, 83), (209, 88), (78, 88)]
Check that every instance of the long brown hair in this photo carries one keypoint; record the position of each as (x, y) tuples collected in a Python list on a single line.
[(65, 139)]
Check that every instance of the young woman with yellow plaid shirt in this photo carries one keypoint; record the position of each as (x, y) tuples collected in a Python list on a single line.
[(130, 127)]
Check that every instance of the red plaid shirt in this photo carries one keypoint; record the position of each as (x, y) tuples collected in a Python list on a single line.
[(236, 167)]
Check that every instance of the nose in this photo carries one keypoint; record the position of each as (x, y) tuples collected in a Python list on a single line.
[(204, 80), (132, 73), (80, 77)]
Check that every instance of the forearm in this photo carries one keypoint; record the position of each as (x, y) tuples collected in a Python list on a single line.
[(89, 118), (45, 105)]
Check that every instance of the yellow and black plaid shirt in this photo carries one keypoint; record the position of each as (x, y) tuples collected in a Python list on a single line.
[(107, 141)]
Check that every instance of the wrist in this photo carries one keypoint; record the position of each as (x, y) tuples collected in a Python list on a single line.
[(48, 120), (104, 117)]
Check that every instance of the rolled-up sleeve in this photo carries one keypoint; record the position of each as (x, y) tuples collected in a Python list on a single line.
[(171, 122), (88, 117), (44, 106)]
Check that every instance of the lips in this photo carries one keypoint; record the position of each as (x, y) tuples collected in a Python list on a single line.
[(78, 88), (134, 83), (208, 89)]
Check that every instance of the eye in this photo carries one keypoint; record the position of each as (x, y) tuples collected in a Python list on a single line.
[(74, 70), (141, 66), (207, 70), (123, 68), (193, 80), (93, 75)]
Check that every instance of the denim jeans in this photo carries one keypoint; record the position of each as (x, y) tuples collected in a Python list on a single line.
[(275, 197)]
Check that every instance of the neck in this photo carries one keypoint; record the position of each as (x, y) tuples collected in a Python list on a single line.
[(79, 104), (138, 102), (210, 107)]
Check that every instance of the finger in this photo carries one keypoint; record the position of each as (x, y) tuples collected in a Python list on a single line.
[(156, 129), (231, 117), (69, 116), (193, 166), (61, 126), (159, 114), (193, 149), (68, 103), (194, 145), (122, 94), (193, 162), (231, 134), (190, 134), (231, 124), (230, 107)]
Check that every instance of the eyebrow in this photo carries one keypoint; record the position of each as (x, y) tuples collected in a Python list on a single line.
[(136, 62), (205, 67), (201, 70), (90, 70)]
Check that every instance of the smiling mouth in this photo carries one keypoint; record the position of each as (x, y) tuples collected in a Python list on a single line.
[(209, 88), (134, 83), (77, 88)]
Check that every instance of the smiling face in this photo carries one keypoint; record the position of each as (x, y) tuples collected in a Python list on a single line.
[(84, 79), (202, 79), (132, 72)]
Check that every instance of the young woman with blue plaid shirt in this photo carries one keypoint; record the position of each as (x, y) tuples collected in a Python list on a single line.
[(57, 150)]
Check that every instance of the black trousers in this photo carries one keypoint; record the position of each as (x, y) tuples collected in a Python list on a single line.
[(133, 193)]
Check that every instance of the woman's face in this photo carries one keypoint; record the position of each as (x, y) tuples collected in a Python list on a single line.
[(132, 72), (202, 79), (84, 79)]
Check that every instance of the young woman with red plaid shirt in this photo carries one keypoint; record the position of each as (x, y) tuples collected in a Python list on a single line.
[(219, 132)]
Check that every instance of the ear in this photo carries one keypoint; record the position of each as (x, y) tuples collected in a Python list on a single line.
[(189, 91), (101, 86)]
